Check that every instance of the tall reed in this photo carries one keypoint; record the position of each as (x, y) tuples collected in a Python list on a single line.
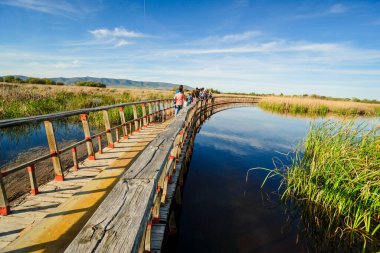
[(320, 107), (337, 170)]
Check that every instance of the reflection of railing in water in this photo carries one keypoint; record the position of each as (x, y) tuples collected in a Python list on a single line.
[(150, 188), (157, 110)]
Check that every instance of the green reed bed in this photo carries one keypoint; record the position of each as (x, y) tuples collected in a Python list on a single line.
[(338, 171), (318, 107)]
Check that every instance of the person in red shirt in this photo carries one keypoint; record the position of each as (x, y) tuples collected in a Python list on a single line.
[(179, 99)]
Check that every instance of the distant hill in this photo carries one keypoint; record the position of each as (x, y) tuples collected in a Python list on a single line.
[(111, 82)]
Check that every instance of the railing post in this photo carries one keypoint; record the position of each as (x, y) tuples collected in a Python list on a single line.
[(166, 109), (54, 151), (100, 149), (117, 135), (162, 110), (157, 105), (108, 129), (75, 158), (130, 128), (135, 116), (144, 115), (33, 181), (87, 135), (212, 105), (151, 112), (124, 127), (4, 204)]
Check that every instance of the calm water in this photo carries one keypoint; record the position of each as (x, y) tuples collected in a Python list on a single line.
[(222, 212), (30, 140)]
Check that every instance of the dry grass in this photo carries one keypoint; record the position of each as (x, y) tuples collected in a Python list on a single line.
[(315, 106), (21, 100)]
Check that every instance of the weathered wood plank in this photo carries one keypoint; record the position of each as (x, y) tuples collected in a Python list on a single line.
[(112, 228)]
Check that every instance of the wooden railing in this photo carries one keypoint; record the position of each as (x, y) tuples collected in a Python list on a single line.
[(158, 110)]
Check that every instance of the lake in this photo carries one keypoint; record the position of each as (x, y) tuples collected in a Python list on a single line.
[(221, 211)]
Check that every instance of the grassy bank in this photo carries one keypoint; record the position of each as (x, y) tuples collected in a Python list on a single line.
[(319, 107), (337, 171), (29, 100)]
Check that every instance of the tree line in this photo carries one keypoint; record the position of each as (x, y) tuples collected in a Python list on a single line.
[(47, 81), (31, 80)]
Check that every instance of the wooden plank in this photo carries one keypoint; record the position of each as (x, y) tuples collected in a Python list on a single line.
[(115, 226)]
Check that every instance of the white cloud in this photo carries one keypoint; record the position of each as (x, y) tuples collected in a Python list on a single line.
[(122, 43), (241, 36), (228, 39), (332, 10), (337, 8), (61, 7), (116, 32), (115, 38), (279, 46)]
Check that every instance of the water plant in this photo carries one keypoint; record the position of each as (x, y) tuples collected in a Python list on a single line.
[(335, 176)]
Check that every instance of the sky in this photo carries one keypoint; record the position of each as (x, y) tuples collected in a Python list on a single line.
[(292, 47)]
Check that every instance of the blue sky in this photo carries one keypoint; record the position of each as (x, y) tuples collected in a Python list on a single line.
[(292, 47)]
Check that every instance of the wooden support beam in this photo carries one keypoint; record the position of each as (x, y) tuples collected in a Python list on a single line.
[(164, 190), (148, 234), (135, 117), (33, 180), (130, 128), (75, 158), (108, 129), (212, 105), (100, 148), (87, 136), (122, 120), (4, 204), (167, 109), (157, 105), (117, 134), (151, 112), (156, 207), (58, 170), (145, 120), (162, 111)]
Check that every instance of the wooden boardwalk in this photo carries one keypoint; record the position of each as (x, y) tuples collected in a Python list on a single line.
[(127, 200), (62, 208)]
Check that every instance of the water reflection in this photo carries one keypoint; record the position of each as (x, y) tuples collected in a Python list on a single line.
[(223, 213)]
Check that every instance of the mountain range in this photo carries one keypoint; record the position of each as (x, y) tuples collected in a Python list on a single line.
[(112, 82)]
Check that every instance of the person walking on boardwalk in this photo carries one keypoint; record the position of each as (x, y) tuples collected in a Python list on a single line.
[(179, 100)]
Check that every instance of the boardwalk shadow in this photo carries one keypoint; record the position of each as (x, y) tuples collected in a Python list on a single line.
[(11, 232), (37, 208), (61, 189)]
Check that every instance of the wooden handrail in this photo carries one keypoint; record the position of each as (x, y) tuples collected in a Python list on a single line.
[(59, 115)]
